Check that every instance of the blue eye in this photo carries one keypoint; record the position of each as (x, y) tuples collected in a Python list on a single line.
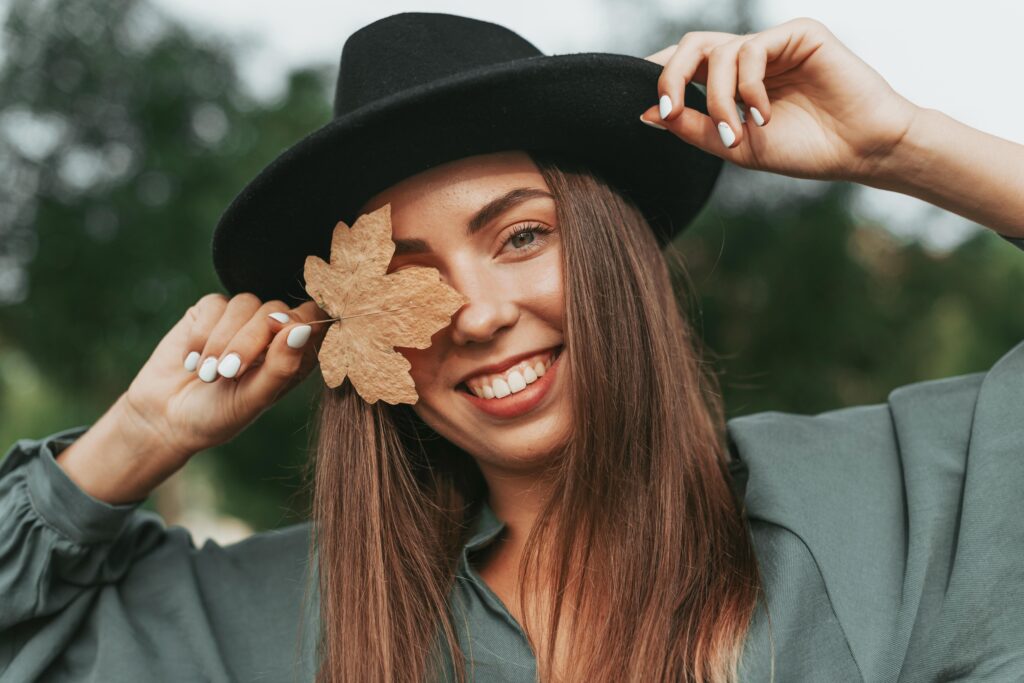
[(535, 233)]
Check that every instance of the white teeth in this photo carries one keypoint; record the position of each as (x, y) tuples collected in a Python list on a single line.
[(516, 382), (529, 375), (488, 392), (540, 368), (501, 388), (479, 393)]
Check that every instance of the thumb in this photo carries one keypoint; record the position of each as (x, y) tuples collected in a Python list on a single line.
[(662, 56)]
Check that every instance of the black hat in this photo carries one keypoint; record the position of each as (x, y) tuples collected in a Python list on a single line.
[(418, 89)]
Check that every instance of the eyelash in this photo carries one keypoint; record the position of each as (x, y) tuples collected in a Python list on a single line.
[(530, 227)]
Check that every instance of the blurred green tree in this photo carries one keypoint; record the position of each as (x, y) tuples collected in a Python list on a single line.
[(123, 137)]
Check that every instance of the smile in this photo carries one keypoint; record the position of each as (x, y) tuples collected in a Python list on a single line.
[(513, 379), (515, 391)]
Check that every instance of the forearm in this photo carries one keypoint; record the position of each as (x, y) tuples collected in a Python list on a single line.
[(961, 169), (113, 462)]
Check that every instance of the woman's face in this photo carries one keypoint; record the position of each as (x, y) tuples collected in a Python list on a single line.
[(507, 261)]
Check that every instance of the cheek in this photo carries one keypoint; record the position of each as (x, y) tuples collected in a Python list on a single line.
[(546, 292), (424, 366)]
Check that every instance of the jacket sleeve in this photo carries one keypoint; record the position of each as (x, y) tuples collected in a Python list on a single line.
[(91, 591), (908, 512)]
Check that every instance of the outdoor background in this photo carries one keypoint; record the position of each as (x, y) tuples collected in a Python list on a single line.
[(126, 127)]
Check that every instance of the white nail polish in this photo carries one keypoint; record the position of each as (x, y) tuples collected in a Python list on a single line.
[(208, 370), (665, 106), (652, 124), (728, 137), (756, 115), (298, 337), (191, 361), (229, 365), (281, 317)]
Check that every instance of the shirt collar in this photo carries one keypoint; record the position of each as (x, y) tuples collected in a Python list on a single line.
[(485, 528)]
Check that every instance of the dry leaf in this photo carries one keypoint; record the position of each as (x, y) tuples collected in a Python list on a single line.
[(376, 311)]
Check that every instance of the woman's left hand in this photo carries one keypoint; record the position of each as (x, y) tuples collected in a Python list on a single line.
[(826, 113)]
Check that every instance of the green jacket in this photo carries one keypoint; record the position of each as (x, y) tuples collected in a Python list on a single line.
[(888, 536)]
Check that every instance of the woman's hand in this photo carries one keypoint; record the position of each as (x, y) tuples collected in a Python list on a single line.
[(218, 369), (826, 113)]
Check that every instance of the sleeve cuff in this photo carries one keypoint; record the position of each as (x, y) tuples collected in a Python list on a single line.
[(59, 501)]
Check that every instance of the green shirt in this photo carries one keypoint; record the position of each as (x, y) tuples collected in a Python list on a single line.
[(888, 536)]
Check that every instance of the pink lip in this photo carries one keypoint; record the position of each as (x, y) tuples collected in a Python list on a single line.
[(521, 402)]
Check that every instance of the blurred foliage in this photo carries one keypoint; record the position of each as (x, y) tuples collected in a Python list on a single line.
[(123, 137)]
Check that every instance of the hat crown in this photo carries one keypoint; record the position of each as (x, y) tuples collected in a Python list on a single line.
[(409, 49)]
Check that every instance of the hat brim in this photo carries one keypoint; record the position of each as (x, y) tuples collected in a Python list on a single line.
[(584, 104)]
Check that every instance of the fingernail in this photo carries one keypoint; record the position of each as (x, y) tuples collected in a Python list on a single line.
[(665, 106), (756, 115), (229, 365), (280, 317), (728, 137), (652, 124), (208, 370), (298, 337), (191, 361)]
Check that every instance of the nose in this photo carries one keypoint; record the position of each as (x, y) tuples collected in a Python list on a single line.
[(486, 314)]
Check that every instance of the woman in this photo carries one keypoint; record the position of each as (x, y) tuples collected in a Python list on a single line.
[(581, 520)]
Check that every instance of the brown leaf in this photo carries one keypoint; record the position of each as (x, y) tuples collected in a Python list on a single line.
[(376, 310)]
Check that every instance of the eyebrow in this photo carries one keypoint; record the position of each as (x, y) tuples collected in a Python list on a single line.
[(490, 212)]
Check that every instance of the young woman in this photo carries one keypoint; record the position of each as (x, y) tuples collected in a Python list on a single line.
[(560, 502)]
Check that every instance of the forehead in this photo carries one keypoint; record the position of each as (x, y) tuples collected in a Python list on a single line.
[(453, 194)]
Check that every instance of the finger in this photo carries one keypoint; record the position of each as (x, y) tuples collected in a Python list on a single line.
[(685, 65), (721, 95), (252, 338), (237, 312), (288, 359), (752, 61), (700, 131), (662, 55), (205, 314)]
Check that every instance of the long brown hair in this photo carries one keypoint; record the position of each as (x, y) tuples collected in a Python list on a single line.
[(654, 559)]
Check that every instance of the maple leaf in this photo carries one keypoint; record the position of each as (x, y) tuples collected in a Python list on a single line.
[(375, 310)]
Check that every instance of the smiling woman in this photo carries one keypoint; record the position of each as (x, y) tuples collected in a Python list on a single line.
[(601, 437), (562, 501)]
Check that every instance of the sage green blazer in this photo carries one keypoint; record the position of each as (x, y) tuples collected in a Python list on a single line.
[(889, 537)]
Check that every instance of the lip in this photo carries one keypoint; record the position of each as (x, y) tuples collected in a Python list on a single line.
[(520, 402), (501, 366)]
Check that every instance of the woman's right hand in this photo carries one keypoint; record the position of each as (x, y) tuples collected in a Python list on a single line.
[(187, 398)]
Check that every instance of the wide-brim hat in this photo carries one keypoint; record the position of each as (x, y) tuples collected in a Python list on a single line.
[(418, 89)]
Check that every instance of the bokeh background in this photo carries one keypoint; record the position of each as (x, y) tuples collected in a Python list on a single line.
[(126, 127)]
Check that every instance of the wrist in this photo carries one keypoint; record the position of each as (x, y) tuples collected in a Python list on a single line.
[(907, 156), (118, 460)]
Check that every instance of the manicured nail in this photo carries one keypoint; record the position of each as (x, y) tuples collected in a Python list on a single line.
[(728, 137), (208, 370), (298, 337), (191, 361), (665, 106), (652, 124), (756, 115), (280, 317), (229, 365)]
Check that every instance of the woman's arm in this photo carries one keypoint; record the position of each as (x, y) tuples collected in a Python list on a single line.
[(816, 110), (964, 170)]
